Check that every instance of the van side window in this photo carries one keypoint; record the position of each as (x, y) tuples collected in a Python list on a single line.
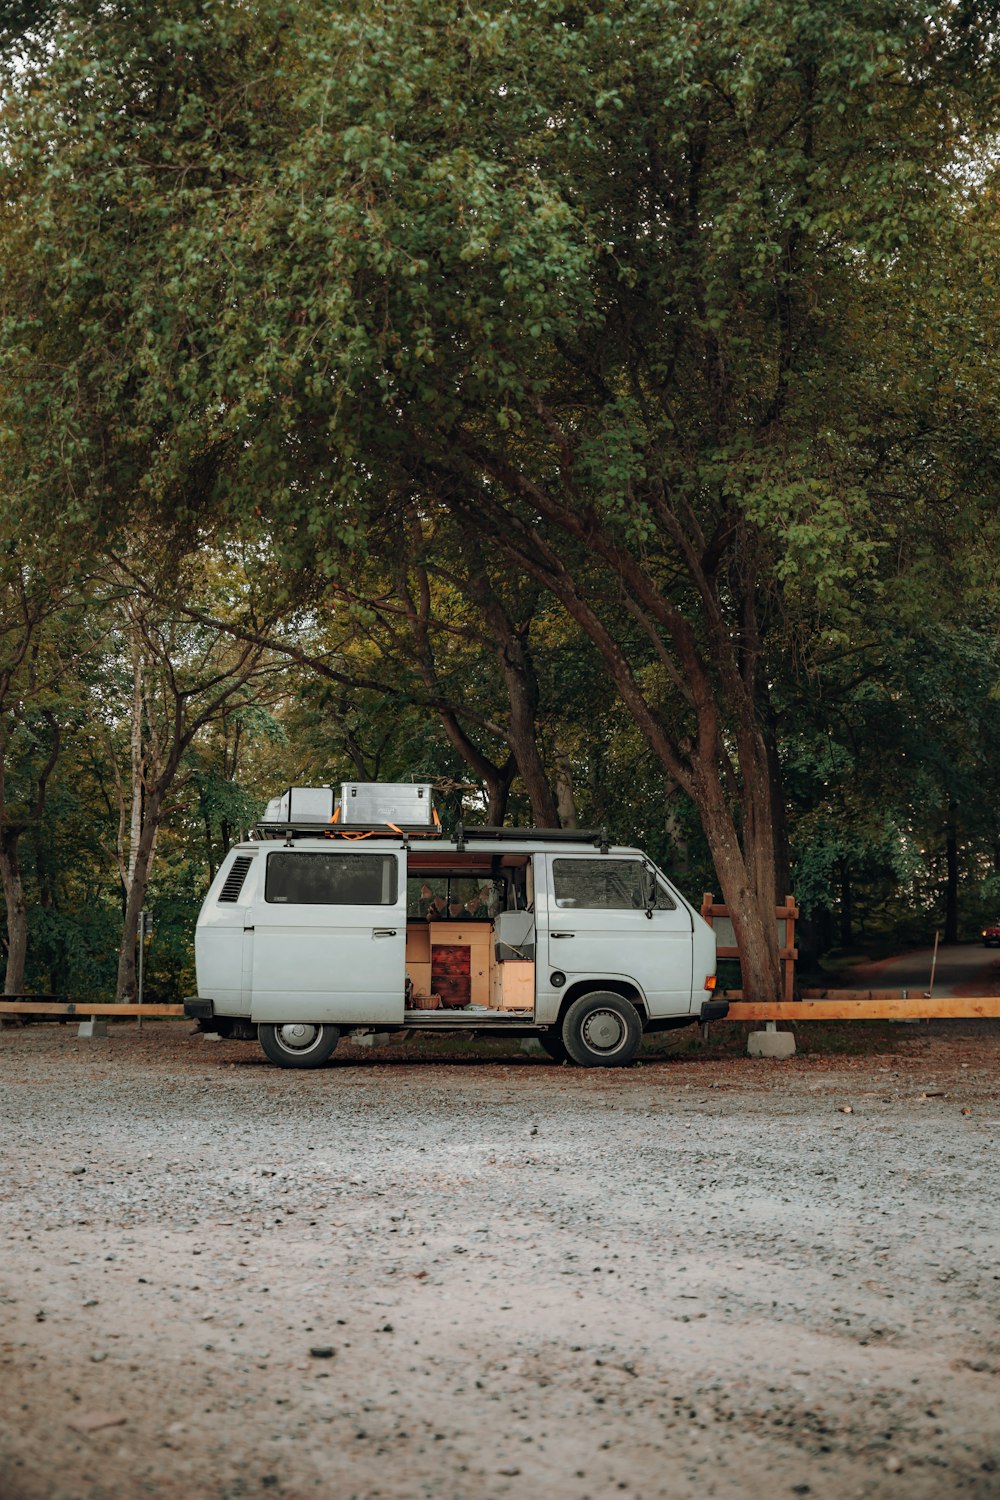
[(598, 883), (298, 878)]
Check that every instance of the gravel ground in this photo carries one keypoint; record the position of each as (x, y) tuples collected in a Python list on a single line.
[(395, 1277)]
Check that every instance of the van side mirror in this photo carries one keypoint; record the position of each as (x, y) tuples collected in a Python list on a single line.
[(648, 887)]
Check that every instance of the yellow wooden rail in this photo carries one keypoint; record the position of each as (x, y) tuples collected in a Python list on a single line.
[(81, 1008), (834, 1008), (914, 1009)]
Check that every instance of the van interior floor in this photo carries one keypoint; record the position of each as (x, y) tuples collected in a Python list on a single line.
[(469, 1015)]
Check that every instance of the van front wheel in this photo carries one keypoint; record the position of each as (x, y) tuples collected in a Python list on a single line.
[(601, 1030), (298, 1044)]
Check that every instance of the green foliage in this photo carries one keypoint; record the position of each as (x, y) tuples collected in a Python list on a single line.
[(73, 952), (694, 304)]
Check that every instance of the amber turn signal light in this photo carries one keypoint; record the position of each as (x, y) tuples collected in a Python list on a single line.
[(710, 982)]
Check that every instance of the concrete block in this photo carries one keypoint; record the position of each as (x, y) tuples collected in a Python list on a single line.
[(770, 1044), (211, 1036), (94, 1027)]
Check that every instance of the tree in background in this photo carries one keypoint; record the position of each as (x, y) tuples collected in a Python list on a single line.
[(185, 678), (634, 303), (613, 307), (37, 627)]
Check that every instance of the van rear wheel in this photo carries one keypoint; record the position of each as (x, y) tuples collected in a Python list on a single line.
[(298, 1044), (601, 1030)]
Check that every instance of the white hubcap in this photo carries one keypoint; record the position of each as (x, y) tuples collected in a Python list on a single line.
[(297, 1037), (604, 1031)]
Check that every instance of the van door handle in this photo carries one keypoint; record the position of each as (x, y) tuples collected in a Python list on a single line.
[(384, 932), (562, 934)]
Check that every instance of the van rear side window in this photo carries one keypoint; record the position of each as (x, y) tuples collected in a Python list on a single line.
[(298, 878)]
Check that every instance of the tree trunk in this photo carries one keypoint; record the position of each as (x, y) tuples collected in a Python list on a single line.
[(209, 851), (135, 820), (17, 911), (951, 875), (522, 692), (751, 908), (141, 862), (524, 746), (10, 863), (674, 829), (565, 798), (498, 785), (521, 681)]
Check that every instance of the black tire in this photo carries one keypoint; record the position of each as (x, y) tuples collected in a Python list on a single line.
[(552, 1043), (298, 1044), (601, 1030)]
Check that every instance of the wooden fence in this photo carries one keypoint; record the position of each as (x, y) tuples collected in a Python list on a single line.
[(716, 914)]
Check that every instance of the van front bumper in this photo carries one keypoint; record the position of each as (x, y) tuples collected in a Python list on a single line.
[(198, 1009), (714, 1010)]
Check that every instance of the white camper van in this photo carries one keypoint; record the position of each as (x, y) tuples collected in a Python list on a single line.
[(357, 915)]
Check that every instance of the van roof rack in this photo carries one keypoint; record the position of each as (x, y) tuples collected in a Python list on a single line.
[(337, 831), (598, 837)]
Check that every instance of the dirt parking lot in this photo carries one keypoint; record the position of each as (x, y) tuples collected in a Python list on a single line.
[(396, 1277)]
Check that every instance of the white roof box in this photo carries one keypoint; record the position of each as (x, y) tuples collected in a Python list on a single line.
[(404, 804), (301, 805)]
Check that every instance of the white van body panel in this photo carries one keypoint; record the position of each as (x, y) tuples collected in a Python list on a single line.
[(652, 954), (703, 960), (343, 964), (223, 943)]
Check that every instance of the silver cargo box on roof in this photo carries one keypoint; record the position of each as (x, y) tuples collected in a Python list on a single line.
[(404, 803)]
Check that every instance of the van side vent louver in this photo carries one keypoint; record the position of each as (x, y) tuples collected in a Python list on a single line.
[(234, 880)]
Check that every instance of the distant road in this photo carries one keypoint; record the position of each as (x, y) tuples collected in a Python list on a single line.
[(967, 969)]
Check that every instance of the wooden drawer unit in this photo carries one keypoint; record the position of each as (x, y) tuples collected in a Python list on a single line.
[(450, 976), (475, 940), (513, 986)]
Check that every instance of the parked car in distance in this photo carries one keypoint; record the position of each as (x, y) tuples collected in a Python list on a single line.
[(991, 935)]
